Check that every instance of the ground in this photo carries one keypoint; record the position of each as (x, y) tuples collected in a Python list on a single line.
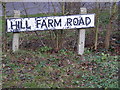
[(65, 69)]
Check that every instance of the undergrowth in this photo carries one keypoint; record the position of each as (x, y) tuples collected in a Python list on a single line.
[(65, 69)]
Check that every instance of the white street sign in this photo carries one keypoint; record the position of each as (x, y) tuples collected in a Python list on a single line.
[(50, 23)]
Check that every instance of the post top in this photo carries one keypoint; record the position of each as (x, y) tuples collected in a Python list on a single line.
[(83, 10), (16, 13)]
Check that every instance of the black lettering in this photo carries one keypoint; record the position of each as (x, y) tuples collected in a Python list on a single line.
[(87, 21), (57, 23), (50, 22), (12, 25), (75, 21), (28, 27), (18, 24), (69, 20), (43, 24), (37, 23), (21, 25), (81, 21)]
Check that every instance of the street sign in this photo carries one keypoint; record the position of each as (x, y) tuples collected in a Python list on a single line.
[(50, 23)]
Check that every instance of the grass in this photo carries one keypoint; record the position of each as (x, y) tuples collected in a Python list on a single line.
[(31, 69), (42, 15)]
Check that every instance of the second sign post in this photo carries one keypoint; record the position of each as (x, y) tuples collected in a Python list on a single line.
[(81, 36)]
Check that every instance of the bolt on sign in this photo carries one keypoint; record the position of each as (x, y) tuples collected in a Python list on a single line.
[(50, 23)]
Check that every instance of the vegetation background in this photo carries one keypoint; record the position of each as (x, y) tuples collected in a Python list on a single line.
[(49, 59)]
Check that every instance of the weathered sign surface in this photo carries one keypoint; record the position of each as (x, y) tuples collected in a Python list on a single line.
[(50, 23)]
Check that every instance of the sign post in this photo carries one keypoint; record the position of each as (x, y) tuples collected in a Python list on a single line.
[(15, 41), (81, 35), (81, 22)]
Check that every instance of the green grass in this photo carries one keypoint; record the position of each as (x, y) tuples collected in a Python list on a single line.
[(0, 23), (104, 17), (34, 70), (0, 27), (42, 15)]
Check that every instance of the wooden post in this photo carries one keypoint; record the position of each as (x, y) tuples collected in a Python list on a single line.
[(81, 35), (15, 42)]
